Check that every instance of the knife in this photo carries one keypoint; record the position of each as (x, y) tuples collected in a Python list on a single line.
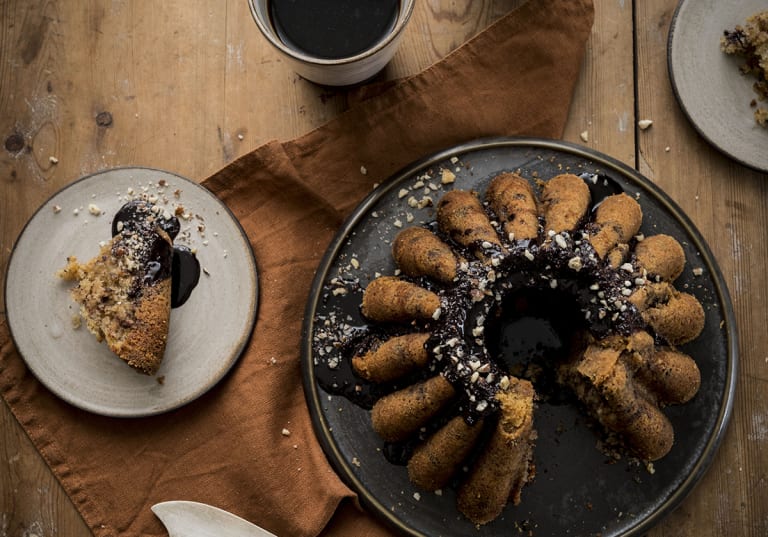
[(193, 519)]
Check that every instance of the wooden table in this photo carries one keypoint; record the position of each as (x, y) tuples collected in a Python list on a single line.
[(190, 86)]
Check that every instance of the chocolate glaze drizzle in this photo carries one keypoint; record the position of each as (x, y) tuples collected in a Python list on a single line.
[(141, 227), (552, 288)]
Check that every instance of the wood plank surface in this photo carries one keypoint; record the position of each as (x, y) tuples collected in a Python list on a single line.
[(728, 203), (190, 86)]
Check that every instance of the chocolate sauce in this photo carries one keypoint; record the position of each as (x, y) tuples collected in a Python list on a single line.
[(138, 215), (137, 222), (185, 274), (600, 187), (333, 29)]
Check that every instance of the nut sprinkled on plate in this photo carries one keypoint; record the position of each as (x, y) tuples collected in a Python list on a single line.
[(644, 124)]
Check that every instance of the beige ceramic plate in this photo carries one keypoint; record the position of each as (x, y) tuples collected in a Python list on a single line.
[(207, 333), (709, 87)]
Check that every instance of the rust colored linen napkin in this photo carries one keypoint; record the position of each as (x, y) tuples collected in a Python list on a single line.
[(228, 448)]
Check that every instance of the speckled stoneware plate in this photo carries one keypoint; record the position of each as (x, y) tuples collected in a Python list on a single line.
[(578, 489), (207, 333), (708, 84)]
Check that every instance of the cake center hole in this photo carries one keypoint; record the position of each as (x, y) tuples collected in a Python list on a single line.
[(530, 331)]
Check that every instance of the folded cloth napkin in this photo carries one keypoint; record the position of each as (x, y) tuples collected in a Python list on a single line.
[(228, 448)]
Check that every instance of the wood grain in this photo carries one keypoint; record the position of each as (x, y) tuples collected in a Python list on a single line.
[(728, 203), (191, 86)]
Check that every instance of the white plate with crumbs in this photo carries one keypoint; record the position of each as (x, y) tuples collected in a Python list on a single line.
[(207, 333), (711, 90)]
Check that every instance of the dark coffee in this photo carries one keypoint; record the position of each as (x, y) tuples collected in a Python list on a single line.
[(333, 29)]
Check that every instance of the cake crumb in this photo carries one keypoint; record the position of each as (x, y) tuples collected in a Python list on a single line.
[(584, 136), (644, 124), (285, 432)]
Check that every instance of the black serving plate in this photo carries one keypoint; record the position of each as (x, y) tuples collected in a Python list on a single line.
[(578, 489)]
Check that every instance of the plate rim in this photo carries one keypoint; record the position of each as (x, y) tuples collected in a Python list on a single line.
[(690, 116), (311, 389), (193, 395)]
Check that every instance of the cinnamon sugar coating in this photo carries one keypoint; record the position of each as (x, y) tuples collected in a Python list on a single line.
[(418, 252), (461, 216), (565, 200), (679, 321), (393, 359), (436, 460), (662, 256), (506, 464), (618, 219), (512, 200), (676, 316), (390, 299), (618, 255), (671, 375), (400, 414)]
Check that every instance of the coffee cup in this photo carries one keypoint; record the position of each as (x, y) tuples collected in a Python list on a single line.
[(334, 42)]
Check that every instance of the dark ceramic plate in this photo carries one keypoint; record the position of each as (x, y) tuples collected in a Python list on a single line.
[(578, 490)]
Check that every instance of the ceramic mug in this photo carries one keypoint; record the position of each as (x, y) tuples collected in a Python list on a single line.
[(342, 71)]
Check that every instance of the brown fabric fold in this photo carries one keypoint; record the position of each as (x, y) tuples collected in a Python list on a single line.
[(227, 448)]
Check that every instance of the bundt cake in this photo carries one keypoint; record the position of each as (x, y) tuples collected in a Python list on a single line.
[(466, 414), (125, 291)]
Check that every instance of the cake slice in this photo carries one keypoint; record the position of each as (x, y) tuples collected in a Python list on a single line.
[(124, 292), (750, 41), (506, 465)]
